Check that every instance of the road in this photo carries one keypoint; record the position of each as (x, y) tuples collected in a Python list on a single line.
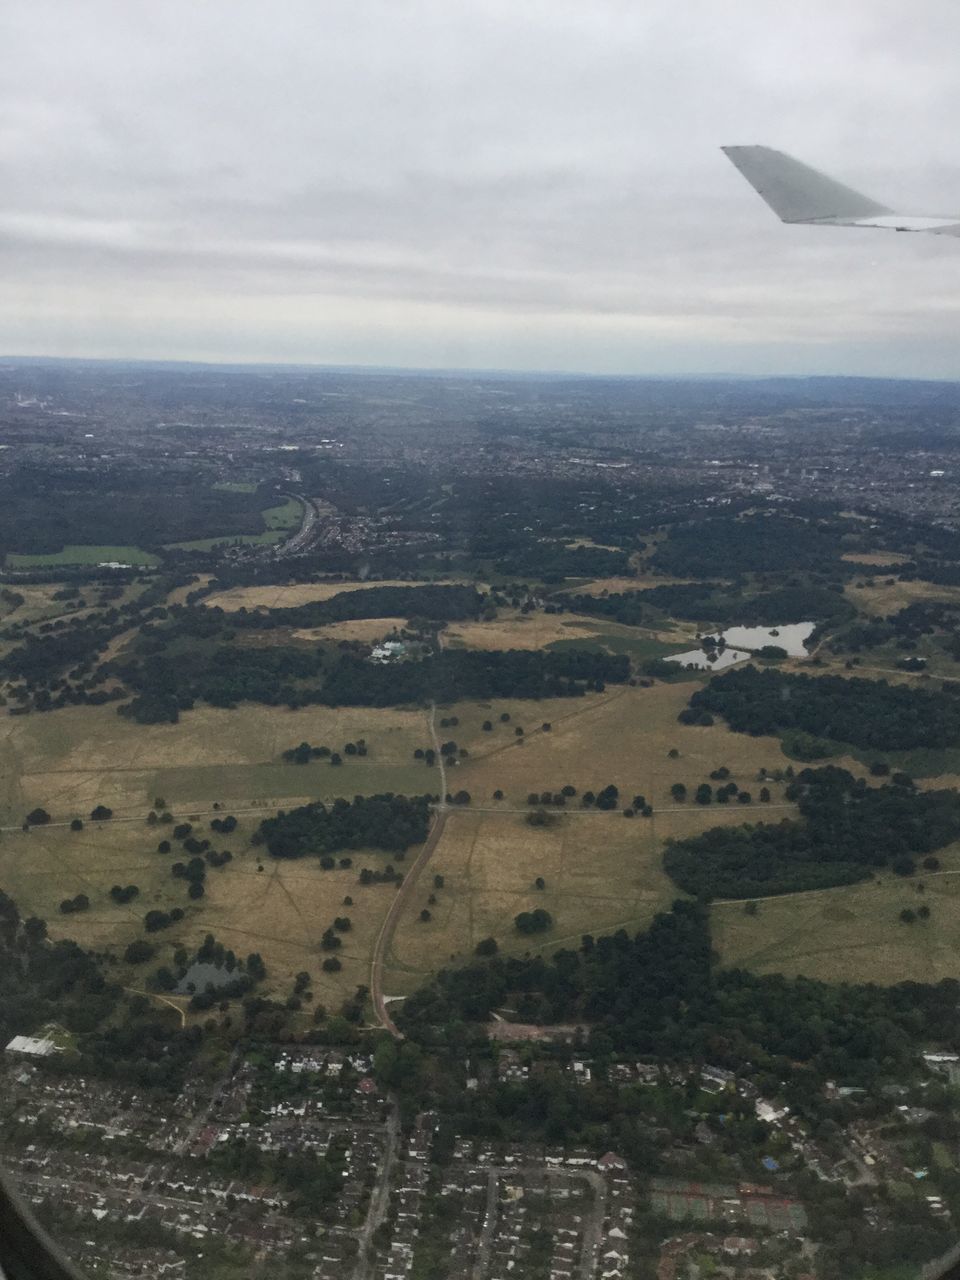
[(380, 1197), (388, 928)]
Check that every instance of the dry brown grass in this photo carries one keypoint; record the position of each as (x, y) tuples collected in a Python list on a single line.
[(882, 599), (850, 934), (616, 586), (601, 872), (875, 557), (366, 630), (517, 630), (82, 756), (295, 594)]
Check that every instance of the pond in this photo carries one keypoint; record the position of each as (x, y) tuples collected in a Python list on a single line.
[(790, 636), (201, 975), (698, 659)]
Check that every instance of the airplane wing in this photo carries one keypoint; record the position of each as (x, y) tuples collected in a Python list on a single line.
[(798, 194)]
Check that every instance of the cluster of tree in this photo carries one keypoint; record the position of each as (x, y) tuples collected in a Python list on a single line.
[(69, 906), (847, 830), (224, 825), (195, 874), (391, 822), (536, 921), (124, 893), (156, 920), (660, 992), (304, 753), (43, 981), (369, 875), (866, 713)]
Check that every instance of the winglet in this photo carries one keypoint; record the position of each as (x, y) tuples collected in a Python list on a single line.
[(797, 193)]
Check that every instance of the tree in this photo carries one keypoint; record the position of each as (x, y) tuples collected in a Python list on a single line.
[(907, 916), (139, 952), (438, 881), (76, 824), (539, 883), (101, 813), (331, 965), (931, 863), (486, 726), (37, 817), (343, 924), (335, 759), (751, 908), (765, 795), (163, 846), (425, 916), (704, 793), (498, 794), (486, 947), (679, 792), (924, 912), (195, 889), (903, 866)]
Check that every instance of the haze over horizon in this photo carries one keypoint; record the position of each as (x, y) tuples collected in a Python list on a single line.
[(430, 186)]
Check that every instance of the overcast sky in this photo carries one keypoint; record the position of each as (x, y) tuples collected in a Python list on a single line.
[(526, 184)]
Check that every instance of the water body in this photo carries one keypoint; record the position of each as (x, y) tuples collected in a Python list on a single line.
[(201, 975), (698, 659), (790, 636)]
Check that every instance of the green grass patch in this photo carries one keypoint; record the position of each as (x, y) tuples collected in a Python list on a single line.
[(235, 486), (85, 555), (249, 782)]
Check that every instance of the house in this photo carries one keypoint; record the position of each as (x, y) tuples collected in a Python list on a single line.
[(611, 1163), (31, 1047)]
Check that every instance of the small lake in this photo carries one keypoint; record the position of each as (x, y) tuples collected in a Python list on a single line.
[(697, 658), (790, 636), (201, 975)]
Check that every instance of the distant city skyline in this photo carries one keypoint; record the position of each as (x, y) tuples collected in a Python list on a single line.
[(480, 187)]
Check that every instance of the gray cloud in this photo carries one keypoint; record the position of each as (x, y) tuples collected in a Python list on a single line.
[(485, 183)]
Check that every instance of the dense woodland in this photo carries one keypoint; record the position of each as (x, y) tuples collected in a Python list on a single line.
[(846, 832), (713, 603), (660, 992), (751, 544), (388, 822), (286, 675), (42, 510), (866, 713)]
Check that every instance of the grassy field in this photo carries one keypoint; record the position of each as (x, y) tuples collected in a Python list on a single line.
[(236, 486), (279, 521), (875, 557), (294, 594), (852, 933), (82, 555), (280, 911), (82, 756), (886, 597), (601, 873)]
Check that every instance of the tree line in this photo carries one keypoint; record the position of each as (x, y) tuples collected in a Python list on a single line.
[(865, 713)]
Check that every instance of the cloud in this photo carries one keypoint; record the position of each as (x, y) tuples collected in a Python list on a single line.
[(533, 185)]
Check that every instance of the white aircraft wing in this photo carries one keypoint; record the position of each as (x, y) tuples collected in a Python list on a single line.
[(797, 193)]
